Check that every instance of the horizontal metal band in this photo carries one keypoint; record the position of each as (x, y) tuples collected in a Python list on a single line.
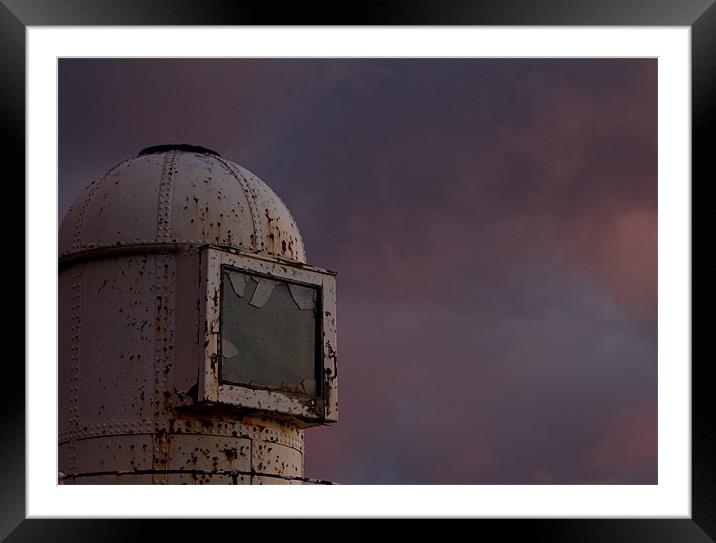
[(143, 247), (180, 427), (233, 473)]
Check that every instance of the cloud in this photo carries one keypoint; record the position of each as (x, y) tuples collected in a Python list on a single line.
[(627, 448), (493, 225)]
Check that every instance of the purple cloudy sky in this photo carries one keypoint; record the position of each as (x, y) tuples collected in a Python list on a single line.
[(493, 223)]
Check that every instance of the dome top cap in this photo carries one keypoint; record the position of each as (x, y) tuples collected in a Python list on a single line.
[(177, 147)]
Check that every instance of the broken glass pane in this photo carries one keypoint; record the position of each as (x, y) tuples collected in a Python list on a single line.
[(238, 282), (305, 297), (269, 330)]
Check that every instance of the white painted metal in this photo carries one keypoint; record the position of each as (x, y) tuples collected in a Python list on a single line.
[(139, 402), (181, 197)]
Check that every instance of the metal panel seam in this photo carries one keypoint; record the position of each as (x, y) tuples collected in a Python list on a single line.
[(255, 218), (75, 363), (166, 184), (80, 224), (162, 356)]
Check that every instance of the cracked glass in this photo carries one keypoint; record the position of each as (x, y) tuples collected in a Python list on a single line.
[(269, 331)]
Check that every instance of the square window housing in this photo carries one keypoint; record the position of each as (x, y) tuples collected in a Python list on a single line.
[(269, 336)]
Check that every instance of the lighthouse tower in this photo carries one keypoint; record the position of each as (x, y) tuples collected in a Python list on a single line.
[(195, 342)]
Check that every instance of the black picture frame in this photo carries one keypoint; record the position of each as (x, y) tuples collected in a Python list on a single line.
[(16, 15)]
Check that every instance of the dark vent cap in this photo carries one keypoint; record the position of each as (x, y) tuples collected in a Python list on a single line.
[(177, 147)]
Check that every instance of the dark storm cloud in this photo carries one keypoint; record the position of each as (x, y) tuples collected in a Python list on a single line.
[(493, 224)]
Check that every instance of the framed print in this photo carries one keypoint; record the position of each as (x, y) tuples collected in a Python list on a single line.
[(483, 179)]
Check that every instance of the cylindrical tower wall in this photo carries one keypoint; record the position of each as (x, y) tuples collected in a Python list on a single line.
[(127, 412), (141, 400)]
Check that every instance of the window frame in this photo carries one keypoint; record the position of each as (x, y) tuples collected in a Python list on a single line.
[(308, 409)]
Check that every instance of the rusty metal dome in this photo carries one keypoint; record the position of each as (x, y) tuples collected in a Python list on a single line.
[(180, 194)]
